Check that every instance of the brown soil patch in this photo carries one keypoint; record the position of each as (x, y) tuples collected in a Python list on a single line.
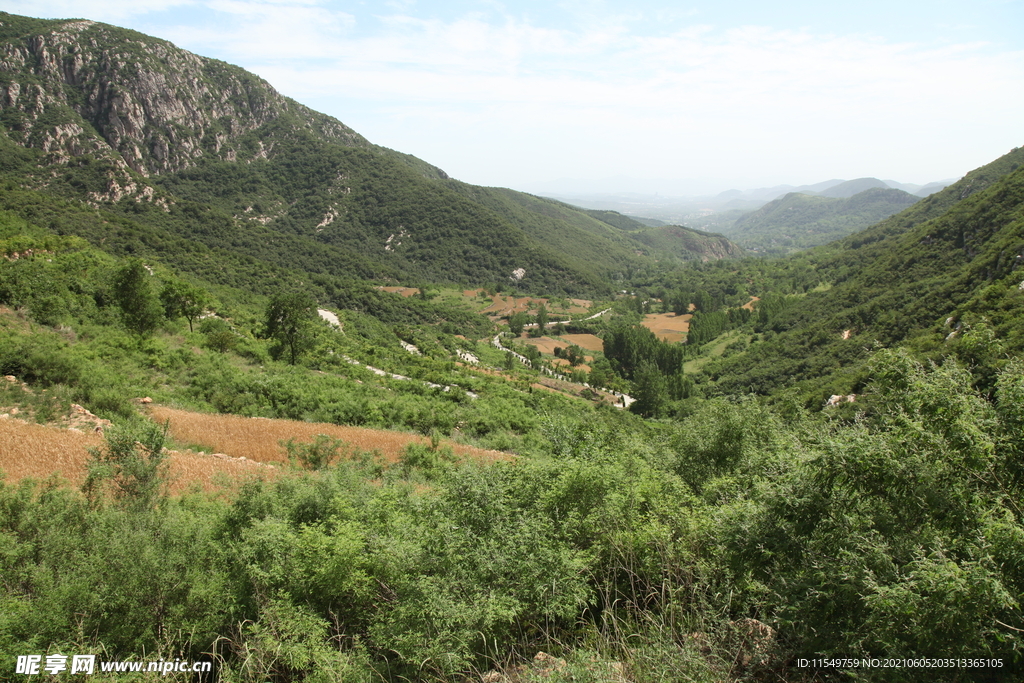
[(668, 327), (582, 303), (589, 342), (504, 306), (404, 291), (750, 304), (258, 438), (544, 344)]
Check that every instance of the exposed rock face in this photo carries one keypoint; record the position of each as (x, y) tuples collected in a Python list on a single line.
[(151, 106)]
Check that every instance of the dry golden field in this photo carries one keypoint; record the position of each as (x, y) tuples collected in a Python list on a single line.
[(259, 439), (36, 451), (241, 448), (589, 342), (668, 327)]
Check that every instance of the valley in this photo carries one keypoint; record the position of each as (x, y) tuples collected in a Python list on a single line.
[(310, 409)]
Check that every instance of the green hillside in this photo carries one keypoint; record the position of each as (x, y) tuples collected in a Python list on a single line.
[(952, 256), (226, 158), (797, 221)]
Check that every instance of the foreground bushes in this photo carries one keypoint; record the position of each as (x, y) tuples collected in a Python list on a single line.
[(723, 548)]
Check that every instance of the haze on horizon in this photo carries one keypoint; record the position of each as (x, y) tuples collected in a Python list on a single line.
[(706, 96)]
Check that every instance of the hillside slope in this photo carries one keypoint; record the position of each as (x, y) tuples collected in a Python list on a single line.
[(797, 221), (192, 147), (954, 258)]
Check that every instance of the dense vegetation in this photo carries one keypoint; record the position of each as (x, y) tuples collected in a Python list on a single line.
[(725, 527), (797, 221)]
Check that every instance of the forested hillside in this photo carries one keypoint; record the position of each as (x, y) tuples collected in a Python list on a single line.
[(713, 468), (797, 221)]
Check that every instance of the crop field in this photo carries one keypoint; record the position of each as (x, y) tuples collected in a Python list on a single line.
[(668, 327), (39, 452), (502, 306), (258, 439), (589, 342), (544, 344)]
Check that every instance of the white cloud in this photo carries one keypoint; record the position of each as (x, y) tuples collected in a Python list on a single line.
[(110, 11), (609, 91)]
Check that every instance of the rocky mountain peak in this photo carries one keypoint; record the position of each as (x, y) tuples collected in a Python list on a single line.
[(80, 87)]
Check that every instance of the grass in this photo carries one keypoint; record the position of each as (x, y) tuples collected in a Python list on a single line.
[(714, 349)]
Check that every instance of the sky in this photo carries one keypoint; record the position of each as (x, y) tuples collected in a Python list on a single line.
[(668, 97)]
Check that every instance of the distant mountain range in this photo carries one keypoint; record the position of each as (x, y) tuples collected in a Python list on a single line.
[(738, 214)]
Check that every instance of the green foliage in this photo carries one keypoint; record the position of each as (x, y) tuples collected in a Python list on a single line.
[(132, 292), (131, 463), (627, 347), (517, 321), (183, 299), (289, 322), (542, 318), (650, 391), (317, 454), (797, 221)]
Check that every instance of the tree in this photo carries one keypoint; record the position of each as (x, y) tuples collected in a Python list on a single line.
[(183, 299), (650, 391), (140, 308), (132, 463), (517, 322), (574, 355), (290, 322), (542, 317)]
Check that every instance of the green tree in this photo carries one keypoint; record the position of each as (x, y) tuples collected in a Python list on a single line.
[(542, 317), (517, 322), (131, 463), (650, 391), (183, 299), (290, 319), (133, 294)]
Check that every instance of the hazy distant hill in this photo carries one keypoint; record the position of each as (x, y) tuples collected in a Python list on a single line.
[(847, 189), (798, 221), (672, 240)]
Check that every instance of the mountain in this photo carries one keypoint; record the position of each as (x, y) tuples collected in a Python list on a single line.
[(674, 241), (849, 188), (926, 276), (798, 221), (179, 147)]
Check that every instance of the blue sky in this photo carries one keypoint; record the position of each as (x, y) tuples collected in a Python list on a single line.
[(675, 97)]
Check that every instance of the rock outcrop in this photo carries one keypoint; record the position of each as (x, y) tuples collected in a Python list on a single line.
[(146, 104)]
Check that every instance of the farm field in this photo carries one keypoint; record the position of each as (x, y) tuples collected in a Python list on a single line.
[(224, 448), (590, 342), (259, 439), (668, 327), (39, 452)]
